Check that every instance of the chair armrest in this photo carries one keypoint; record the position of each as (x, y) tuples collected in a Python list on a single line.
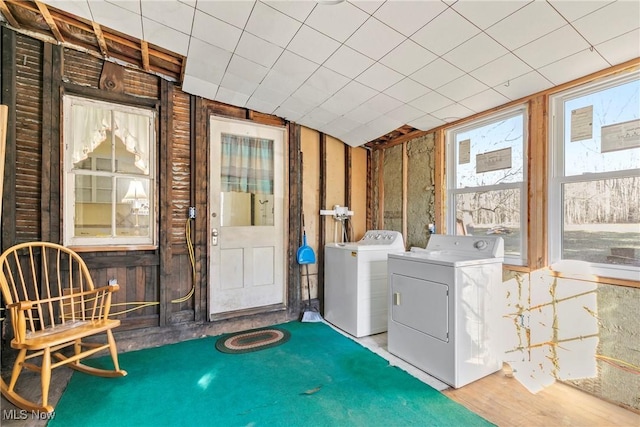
[(21, 305)]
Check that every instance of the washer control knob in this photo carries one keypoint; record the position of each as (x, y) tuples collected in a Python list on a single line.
[(480, 244)]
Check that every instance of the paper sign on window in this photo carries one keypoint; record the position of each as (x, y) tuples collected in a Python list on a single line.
[(493, 160), (620, 136), (582, 123), (464, 152)]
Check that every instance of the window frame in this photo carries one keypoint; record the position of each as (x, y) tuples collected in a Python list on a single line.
[(69, 186), (451, 156), (557, 177)]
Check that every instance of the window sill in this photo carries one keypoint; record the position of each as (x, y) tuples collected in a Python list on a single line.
[(115, 248)]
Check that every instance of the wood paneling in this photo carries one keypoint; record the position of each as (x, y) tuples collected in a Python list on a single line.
[(181, 169)]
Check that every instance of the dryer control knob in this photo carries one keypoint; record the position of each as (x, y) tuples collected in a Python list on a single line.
[(480, 244)]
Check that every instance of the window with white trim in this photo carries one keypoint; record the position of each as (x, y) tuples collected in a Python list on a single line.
[(486, 180), (594, 184), (109, 183)]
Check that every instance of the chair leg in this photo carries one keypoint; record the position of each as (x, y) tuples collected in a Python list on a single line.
[(113, 349), (45, 375), (17, 368)]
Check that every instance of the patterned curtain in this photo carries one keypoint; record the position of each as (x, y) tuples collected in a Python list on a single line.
[(247, 164)]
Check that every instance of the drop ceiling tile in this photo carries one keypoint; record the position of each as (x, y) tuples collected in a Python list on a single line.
[(556, 45), (437, 35), (231, 97), (426, 122), (625, 15), (336, 21), (475, 52), (291, 115), (172, 14), (348, 62), (382, 103), (369, 6), (379, 77), (452, 113), (486, 13), (298, 10), (131, 5), (505, 68), (280, 82), (383, 125), (374, 39), (302, 106), (524, 85), (327, 80), (117, 18), (272, 93), (168, 38), (321, 116), (260, 105), (574, 66), (432, 101), (362, 114), (573, 10), (409, 16), (258, 50), (354, 138), (345, 124), (234, 12), (297, 68), (206, 62), (247, 70), (348, 98), (272, 25), (238, 84), (191, 3), (525, 25), (437, 73), (462, 87), (484, 101), (408, 57), (406, 90), (74, 7), (215, 31), (314, 95), (313, 45), (622, 48), (199, 87), (405, 113)]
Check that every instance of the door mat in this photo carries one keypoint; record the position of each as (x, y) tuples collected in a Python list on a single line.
[(252, 340)]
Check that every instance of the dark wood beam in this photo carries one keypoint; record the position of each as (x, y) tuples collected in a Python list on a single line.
[(44, 10)]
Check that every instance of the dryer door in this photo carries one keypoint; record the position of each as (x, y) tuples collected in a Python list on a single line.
[(421, 305)]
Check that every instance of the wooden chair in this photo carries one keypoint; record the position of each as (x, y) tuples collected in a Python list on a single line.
[(53, 305)]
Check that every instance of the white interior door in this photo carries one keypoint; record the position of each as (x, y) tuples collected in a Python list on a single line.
[(246, 238)]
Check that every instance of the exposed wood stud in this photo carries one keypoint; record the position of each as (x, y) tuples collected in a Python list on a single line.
[(97, 30), (144, 47), (405, 189), (50, 22), (439, 184), (6, 12)]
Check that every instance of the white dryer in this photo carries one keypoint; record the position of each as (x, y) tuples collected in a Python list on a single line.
[(355, 282), (443, 317)]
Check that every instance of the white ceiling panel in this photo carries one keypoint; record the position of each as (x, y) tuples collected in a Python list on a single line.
[(436, 74), (475, 52), (407, 17), (234, 12), (610, 21), (374, 39), (408, 57), (336, 21), (379, 77), (258, 50), (524, 85), (525, 25), (272, 25), (501, 70), (172, 14), (462, 87), (407, 90), (437, 35), (486, 13), (359, 69), (215, 31), (161, 35), (348, 62), (313, 45), (556, 45), (574, 66)]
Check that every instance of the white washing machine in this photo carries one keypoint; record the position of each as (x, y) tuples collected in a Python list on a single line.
[(443, 317), (355, 282)]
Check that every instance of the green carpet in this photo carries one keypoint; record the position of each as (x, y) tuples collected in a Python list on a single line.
[(317, 378)]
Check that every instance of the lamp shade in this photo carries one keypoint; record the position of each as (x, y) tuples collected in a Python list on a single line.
[(135, 193)]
